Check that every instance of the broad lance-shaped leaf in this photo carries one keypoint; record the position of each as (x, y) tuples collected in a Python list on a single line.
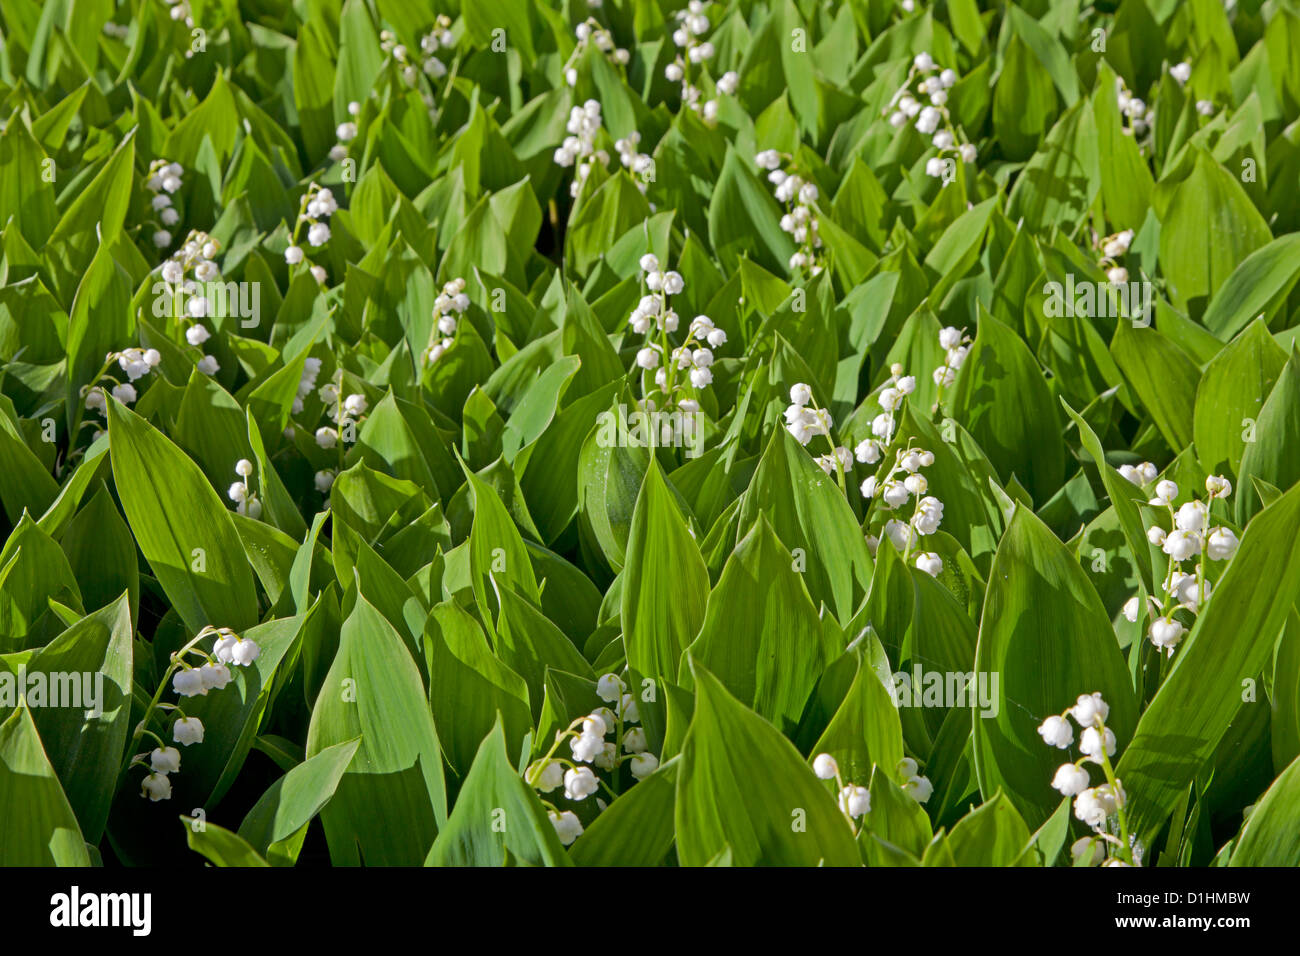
[(495, 549), (779, 816), (1209, 227), (1274, 455), (1124, 496), (37, 825), (181, 526), (85, 736), (866, 729), (497, 814), (1258, 286), (637, 828), (1231, 396), (231, 717), (1229, 644), (992, 835), (1271, 837), (389, 805), (277, 824), (665, 583), (761, 636), (1046, 637), (469, 687), (1002, 399), (809, 513)]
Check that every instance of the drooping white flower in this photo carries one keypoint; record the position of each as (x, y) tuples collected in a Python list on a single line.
[(1222, 544), (1056, 732), (156, 787), (1070, 780), (1181, 72), (610, 688), (825, 767), (567, 825), (165, 760), (244, 652), (930, 563), (919, 788), (1218, 487), (187, 731), (1090, 710), (547, 777), (1166, 492), (1181, 545), (643, 764), (1091, 742), (1166, 633), (855, 801), (214, 676), (189, 683), (580, 783)]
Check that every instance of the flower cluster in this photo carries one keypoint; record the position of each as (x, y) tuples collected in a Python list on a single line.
[(926, 81), (135, 362), (587, 744), (451, 302), (642, 165), (1094, 806), (902, 483), (193, 276), (315, 208), (180, 11), (1190, 538), (228, 649), (590, 33), (346, 133), (164, 180), (956, 346), (654, 315), (579, 147), (246, 502), (440, 37), (346, 413), (799, 197), (805, 420), (694, 50), (1113, 247), (855, 800), (1138, 118), (306, 383)]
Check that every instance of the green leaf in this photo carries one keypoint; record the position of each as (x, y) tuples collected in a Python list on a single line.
[(1002, 399), (496, 816), (722, 803), (1046, 636), (1270, 837), (469, 687), (1229, 643), (808, 512), (761, 636), (665, 583), (181, 526), (293, 800), (389, 805), (37, 825)]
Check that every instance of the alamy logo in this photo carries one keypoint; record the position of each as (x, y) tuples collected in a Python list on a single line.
[(1104, 299), (922, 688), (75, 689), (619, 428), (206, 299), (76, 909)]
